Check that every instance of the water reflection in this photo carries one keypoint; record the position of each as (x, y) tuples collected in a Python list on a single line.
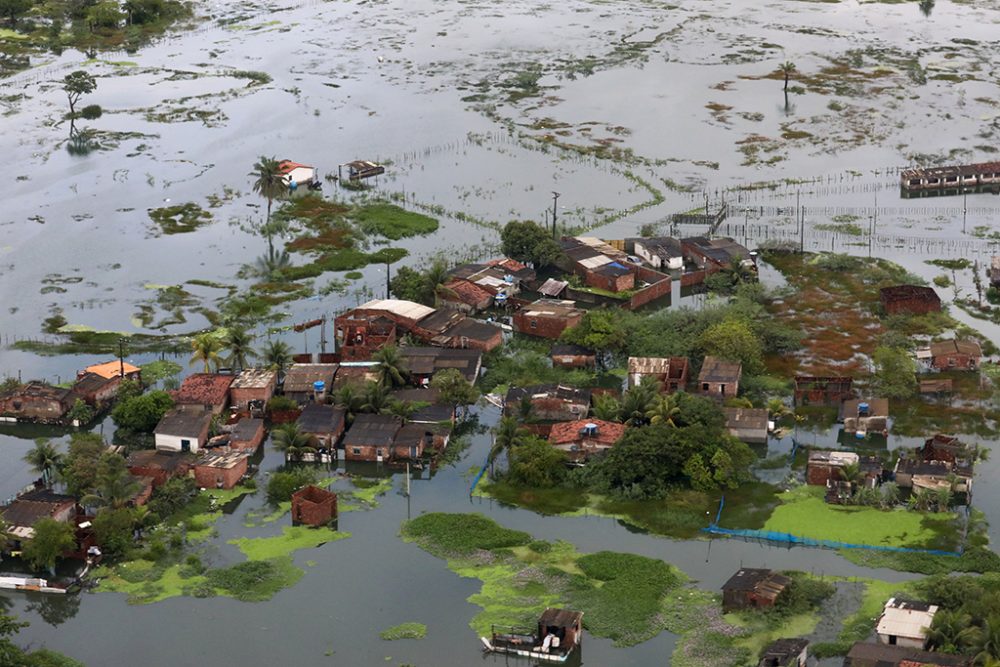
[(53, 609)]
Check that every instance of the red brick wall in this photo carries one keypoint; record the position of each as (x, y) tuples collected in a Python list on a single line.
[(955, 361), (366, 453), (819, 474), (208, 478), (573, 361), (249, 445), (240, 396), (655, 291), (546, 327), (313, 513), (911, 306)]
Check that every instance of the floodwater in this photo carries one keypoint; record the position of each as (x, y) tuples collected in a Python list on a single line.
[(481, 111)]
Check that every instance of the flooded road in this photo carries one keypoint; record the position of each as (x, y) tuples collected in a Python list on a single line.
[(632, 111)]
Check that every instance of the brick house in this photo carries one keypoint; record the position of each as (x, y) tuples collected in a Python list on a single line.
[(95, 390), (253, 386), (183, 429), (671, 373), (411, 442), (324, 422), (785, 653), (220, 469), (159, 465), (720, 378), (424, 362), (547, 318), (549, 402), (820, 390), (208, 390), (573, 356), (613, 277), (371, 437), (584, 438), (955, 355), (747, 424), (300, 381), (313, 506), (752, 588), (247, 435), (363, 336), (36, 401), (464, 296), (909, 300), (29, 508), (883, 655), (825, 467)]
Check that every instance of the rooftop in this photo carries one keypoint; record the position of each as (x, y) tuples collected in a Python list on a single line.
[(551, 391), (466, 292), (908, 292), (36, 389), (184, 423), (300, 377), (947, 347), (553, 287), (832, 458), (552, 308), (255, 378), (246, 429), (89, 383), (406, 309), (746, 418), (204, 389), (34, 505), (375, 430), (219, 459), (906, 618), (653, 365), (428, 360), (883, 655), (157, 460), (604, 432), (110, 369), (715, 369), (751, 579), (319, 418)]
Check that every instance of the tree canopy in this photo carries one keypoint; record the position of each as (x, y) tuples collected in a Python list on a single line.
[(142, 413), (895, 372), (51, 540), (454, 389), (527, 242)]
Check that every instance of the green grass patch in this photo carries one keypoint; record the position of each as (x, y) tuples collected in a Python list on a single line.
[(255, 580), (180, 219), (404, 631), (393, 222), (292, 539), (447, 535), (804, 513)]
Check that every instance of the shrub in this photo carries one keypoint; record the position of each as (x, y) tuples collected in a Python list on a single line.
[(281, 404), (444, 534), (91, 111), (540, 546), (282, 485)]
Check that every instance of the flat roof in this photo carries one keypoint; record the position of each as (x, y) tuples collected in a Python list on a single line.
[(406, 309)]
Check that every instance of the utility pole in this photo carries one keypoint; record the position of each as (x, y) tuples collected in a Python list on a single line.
[(802, 230), (322, 336), (965, 207), (387, 292), (121, 357), (555, 202)]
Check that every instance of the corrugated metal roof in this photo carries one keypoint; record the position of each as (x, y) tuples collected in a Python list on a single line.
[(408, 309), (905, 620)]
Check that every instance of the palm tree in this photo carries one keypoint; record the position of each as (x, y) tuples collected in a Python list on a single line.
[(942, 498), (237, 343), (920, 500), (277, 354), (951, 631), (114, 486), (607, 407), (890, 495), (664, 410), (271, 265), (376, 398), (348, 398), (205, 348), (636, 403), (404, 409), (44, 458), (786, 68), (525, 408), (507, 434), (294, 443), (391, 367), (436, 276), (270, 184), (850, 473), (986, 643)]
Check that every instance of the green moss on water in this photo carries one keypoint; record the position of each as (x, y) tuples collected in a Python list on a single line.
[(409, 630), (292, 539), (393, 222), (181, 218), (460, 534)]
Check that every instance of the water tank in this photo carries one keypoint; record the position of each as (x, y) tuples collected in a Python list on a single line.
[(590, 429)]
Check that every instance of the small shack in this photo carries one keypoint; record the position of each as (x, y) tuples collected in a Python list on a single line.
[(909, 300), (313, 506), (785, 653), (865, 416), (359, 170), (720, 378), (220, 469), (955, 355), (294, 174), (747, 424), (556, 635), (305, 383), (905, 623), (411, 442), (573, 356), (253, 388), (822, 390), (671, 373), (547, 318), (371, 437), (824, 467), (183, 429), (752, 588)]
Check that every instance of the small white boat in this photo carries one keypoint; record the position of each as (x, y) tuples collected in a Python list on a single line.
[(558, 634), (18, 583)]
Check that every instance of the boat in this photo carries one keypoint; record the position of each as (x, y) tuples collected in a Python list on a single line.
[(19, 583), (559, 632)]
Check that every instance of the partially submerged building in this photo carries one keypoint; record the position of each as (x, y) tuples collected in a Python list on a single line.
[(253, 388), (440, 327), (670, 373), (583, 439), (313, 506), (323, 422), (27, 509), (36, 402), (865, 416), (371, 437), (785, 653), (662, 253), (747, 424), (719, 253), (220, 469), (752, 588), (183, 429), (909, 300), (306, 383), (826, 466), (822, 390), (549, 402), (247, 435), (719, 377), (951, 355), (905, 623)]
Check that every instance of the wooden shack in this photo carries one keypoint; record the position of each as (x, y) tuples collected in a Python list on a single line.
[(909, 300), (752, 588)]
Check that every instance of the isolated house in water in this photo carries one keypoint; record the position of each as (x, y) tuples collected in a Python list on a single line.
[(905, 623), (785, 653), (752, 588), (324, 422), (720, 378), (36, 401), (313, 506), (865, 416), (957, 355), (29, 508), (909, 300), (220, 469)]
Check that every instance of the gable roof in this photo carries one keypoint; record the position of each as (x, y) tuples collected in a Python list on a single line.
[(204, 389), (184, 423), (466, 292), (752, 579), (373, 430), (884, 655), (300, 377), (966, 346), (110, 369), (29, 507), (607, 433), (319, 418), (715, 369), (287, 166)]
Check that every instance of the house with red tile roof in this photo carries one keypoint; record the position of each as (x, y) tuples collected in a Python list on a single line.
[(465, 296), (294, 172), (584, 438), (209, 390)]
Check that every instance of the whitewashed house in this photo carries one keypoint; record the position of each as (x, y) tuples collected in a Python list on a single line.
[(295, 174), (183, 430), (905, 623)]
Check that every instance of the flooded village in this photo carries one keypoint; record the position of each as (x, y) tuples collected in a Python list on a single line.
[(431, 333)]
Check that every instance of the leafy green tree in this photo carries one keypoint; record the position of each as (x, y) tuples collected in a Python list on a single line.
[(986, 644), (527, 242), (637, 401), (114, 486), (51, 540), (376, 398), (277, 355), (44, 458), (105, 15), (205, 349), (454, 389), (734, 340), (292, 442), (391, 367), (79, 470), (81, 412), (270, 184), (284, 483), (128, 388), (410, 285), (141, 12), (699, 476), (537, 464), (850, 473), (142, 413), (238, 343), (10, 654), (76, 85), (895, 372), (351, 400), (506, 435), (14, 9), (607, 407), (600, 330), (113, 529)]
